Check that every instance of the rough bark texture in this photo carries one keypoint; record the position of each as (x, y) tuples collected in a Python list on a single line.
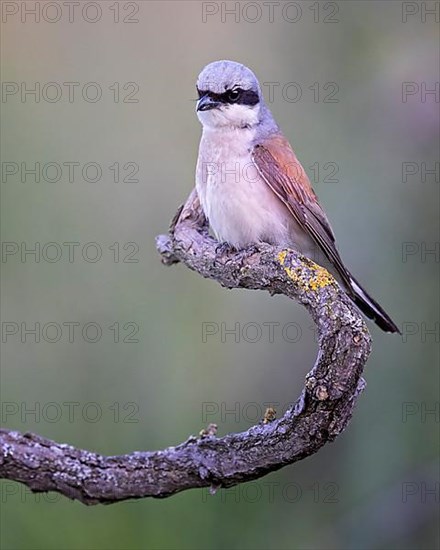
[(321, 413)]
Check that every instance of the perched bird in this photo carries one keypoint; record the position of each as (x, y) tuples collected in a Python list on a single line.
[(252, 187)]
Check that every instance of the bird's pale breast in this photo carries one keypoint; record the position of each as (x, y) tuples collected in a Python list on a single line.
[(239, 205)]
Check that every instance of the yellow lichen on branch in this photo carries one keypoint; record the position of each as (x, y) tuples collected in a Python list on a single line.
[(320, 278)]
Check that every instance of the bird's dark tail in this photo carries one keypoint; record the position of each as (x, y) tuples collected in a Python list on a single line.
[(370, 307)]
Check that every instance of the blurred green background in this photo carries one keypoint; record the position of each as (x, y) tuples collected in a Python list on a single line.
[(372, 488)]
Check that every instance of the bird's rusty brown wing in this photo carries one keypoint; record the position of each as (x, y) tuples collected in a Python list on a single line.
[(280, 169)]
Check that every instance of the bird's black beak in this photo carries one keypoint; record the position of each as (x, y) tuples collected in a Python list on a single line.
[(206, 103)]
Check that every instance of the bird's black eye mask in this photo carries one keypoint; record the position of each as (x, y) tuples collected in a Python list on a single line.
[(235, 95)]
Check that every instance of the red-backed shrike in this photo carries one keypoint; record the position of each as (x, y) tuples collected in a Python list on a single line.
[(252, 187)]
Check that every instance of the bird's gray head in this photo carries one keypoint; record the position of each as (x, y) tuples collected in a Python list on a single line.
[(229, 96)]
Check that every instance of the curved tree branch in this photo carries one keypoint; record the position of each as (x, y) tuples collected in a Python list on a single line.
[(321, 413)]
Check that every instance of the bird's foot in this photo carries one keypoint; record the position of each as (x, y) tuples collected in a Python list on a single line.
[(224, 249)]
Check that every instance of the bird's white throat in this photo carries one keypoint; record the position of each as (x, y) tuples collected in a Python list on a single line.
[(230, 116)]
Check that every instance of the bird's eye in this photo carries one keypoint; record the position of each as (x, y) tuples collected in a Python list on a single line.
[(233, 95)]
